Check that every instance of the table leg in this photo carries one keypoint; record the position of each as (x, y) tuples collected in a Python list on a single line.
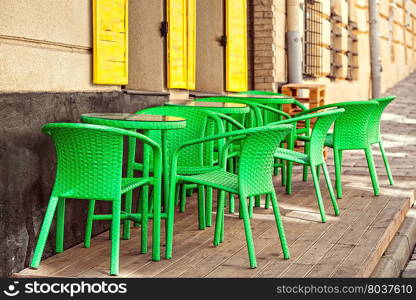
[(144, 191), (165, 162), (129, 195)]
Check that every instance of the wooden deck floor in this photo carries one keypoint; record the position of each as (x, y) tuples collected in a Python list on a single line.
[(345, 246)]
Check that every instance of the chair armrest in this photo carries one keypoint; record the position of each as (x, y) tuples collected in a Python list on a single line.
[(229, 120), (273, 110)]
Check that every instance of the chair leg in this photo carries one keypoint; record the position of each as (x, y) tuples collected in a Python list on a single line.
[(231, 208), (249, 236), (60, 226), (275, 169), (44, 231), (157, 203), (318, 194), (372, 169), (386, 163), (183, 198), (88, 227), (318, 172), (289, 168), (115, 237), (267, 202), (208, 207), (338, 163), (330, 189), (127, 209), (144, 224), (250, 207), (219, 217), (279, 225), (257, 201), (305, 167), (177, 194), (283, 174), (170, 220), (201, 207)]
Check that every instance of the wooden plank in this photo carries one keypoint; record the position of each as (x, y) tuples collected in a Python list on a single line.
[(363, 258), (349, 245), (311, 235)]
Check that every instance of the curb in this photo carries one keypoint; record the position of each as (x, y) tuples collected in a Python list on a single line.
[(397, 254)]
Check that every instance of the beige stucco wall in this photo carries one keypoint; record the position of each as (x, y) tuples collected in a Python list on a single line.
[(46, 45), (209, 53), (146, 46)]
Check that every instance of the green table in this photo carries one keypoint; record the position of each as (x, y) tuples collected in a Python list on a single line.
[(227, 108), (141, 122)]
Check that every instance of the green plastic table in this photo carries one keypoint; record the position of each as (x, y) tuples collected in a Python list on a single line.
[(141, 122), (265, 99), (274, 101), (226, 108)]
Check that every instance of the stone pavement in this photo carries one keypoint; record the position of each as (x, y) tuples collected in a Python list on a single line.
[(402, 139), (399, 138)]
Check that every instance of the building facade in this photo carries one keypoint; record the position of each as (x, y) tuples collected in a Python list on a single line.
[(62, 58)]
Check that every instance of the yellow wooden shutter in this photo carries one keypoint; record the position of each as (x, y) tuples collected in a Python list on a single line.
[(191, 74), (236, 53), (110, 22), (177, 44)]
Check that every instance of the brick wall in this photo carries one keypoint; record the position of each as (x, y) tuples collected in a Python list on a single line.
[(263, 44)]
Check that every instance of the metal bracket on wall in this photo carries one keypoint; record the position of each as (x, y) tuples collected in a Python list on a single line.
[(164, 29), (223, 41)]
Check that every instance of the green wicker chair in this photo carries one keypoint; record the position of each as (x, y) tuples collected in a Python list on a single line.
[(374, 130), (314, 159), (274, 116), (254, 178), (89, 166), (197, 159), (351, 132)]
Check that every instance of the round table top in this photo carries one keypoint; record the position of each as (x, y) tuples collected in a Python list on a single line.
[(134, 121), (222, 107)]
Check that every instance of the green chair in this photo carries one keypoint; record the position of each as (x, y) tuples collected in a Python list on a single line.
[(351, 132), (197, 159), (89, 167), (315, 158), (254, 178), (271, 115), (374, 130)]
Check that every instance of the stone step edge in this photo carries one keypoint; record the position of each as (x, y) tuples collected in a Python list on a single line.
[(400, 249)]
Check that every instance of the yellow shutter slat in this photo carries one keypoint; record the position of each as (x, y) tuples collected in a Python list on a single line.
[(236, 51), (110, 30), (177, 44), (191, 74)]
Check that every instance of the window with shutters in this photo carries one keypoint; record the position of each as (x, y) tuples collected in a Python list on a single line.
[(236, 49), (181, 43), (352, 51), (336, 42), (312, 66), (110, 30)]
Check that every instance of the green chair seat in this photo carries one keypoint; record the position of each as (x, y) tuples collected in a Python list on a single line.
[(128, 184), (197, 170), (297, 157), (216, 179)]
